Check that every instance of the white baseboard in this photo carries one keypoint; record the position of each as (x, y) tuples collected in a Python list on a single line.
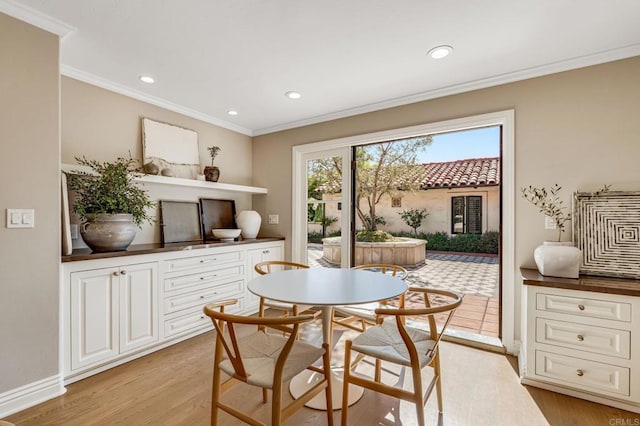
[(30, 394)]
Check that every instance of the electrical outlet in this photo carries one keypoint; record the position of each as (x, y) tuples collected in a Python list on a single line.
[(274, 219), (549, 223), (74, 231)]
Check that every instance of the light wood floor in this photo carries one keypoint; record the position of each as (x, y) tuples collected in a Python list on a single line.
[(172, 387)]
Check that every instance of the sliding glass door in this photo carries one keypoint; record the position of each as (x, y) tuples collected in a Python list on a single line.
[(322, 224)]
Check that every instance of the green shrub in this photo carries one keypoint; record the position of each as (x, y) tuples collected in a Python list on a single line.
[(466, 243), (374, 236), (437, 241), (314, 237)]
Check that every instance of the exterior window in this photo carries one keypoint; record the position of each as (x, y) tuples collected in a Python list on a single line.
[(466, 215), (396, 201)]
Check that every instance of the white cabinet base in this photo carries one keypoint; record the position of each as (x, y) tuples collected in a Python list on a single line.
[(584, 344), (120, 308)]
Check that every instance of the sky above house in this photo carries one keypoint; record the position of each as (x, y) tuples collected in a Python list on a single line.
[(475, 143)]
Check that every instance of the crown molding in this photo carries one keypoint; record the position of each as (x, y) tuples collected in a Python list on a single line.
[(36, 18), (552, 68), (162, 103)]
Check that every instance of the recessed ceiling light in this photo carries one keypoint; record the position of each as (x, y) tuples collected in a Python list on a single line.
[(232, 112), (147, 79), (293, 95), (440, 52)]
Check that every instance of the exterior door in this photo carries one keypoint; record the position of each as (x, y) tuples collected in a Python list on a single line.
[(322, 213)]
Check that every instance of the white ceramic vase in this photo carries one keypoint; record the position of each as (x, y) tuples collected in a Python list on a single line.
[(558, 259), (249, 222)]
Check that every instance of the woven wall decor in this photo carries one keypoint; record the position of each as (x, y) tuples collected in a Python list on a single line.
[(606, 227)]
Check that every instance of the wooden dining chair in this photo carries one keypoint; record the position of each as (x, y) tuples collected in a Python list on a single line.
[(269, 266), (264, 360), (364, 314), (409, 346)]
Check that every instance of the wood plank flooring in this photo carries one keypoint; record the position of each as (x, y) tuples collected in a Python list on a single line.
[(172, 387)]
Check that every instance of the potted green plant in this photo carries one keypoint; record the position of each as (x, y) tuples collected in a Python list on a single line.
[(109, 203), (212, 173)]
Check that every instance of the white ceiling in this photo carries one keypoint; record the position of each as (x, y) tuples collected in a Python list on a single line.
[(344, 56)]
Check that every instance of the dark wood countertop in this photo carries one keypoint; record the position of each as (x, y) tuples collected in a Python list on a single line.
[(624, 286), (87, 254)]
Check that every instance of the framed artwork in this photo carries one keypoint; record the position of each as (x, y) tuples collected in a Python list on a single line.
[(173, 150), (606, 227), (217, 214), (180, 221)]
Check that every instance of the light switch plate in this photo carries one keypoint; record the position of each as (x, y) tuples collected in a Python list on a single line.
[(20, 218), (274, 219)]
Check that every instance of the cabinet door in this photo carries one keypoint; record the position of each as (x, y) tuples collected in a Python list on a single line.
[(94, 316), (138, 306), (256, 256)]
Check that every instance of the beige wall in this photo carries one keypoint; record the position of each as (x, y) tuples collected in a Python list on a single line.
[(29, 172), (437, 202), (578, 129), (103, 125)]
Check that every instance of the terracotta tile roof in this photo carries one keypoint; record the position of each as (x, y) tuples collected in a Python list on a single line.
[(470, 172), (460, 173)]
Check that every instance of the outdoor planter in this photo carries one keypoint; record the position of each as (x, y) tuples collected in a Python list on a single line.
[(404, 251)]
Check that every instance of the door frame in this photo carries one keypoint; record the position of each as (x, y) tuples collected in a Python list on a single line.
[(505, 119), (299, 205)]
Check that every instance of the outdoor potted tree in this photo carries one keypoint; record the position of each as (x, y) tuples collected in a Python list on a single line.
[(109, 203)]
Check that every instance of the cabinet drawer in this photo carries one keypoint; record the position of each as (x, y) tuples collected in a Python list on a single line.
[(587, 375), (600, 340), (195, 320), (593, 308), (203, 278), (197, 262), (202, 296)]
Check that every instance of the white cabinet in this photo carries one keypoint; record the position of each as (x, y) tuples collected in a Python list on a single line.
[(190, 282), (582, 343), (271, 251), (113, 311)]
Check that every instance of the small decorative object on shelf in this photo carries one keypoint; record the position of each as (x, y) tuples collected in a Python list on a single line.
[(109, 203), (249, 221), (150, 168), (555, 258), (212, 173)]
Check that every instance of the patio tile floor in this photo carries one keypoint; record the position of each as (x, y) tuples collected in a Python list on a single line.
[(474, 277)]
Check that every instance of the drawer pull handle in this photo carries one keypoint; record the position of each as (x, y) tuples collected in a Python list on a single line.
[(208, 278), (207, 261), (201, 297), (580, 337), (202, 317), (580, 373), (116, 273), (581, 307), (123, 272)]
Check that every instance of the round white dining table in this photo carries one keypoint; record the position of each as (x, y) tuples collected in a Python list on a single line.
[(326, 288)]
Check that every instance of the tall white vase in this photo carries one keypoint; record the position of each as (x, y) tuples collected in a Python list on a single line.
[(249, 222), (558, 259)]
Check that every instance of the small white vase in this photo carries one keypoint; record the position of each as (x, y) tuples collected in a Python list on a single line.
[(558, 259), (249, 222)]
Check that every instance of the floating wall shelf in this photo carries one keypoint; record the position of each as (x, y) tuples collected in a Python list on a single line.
[(165, 180)]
